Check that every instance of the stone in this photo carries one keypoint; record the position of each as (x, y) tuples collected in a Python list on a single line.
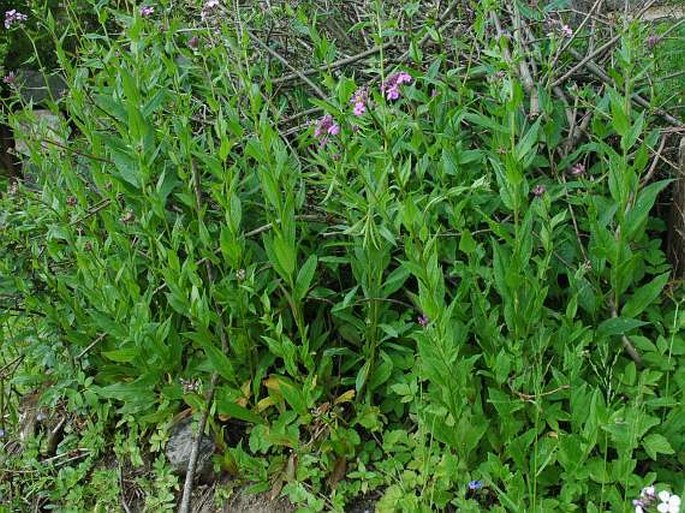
[(245, 502), (181, 440), (41, 125), (35, 87)]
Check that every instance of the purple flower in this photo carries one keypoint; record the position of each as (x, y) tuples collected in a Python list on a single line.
[(146, 10), (566, 31), (326, 126), (403, 78), (648, 492), (475, 485), (391, 87), (423, 320), (646, 499), (577, 170), (359, 99), (12, 17), (539, 190), (652, 41), (10, 78), (194, 42), (639, 506), (208, 9), (392, 93)]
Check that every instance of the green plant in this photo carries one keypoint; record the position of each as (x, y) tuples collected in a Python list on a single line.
[(443, 289)]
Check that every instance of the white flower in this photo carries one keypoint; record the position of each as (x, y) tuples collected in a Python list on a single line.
[(638, 509), (669, 503), (648, 492)]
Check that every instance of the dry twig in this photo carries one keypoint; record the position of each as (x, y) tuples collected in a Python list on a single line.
[(627, 344), (283, 61), (334, 65), (524, 66), (655, 160), (599, 73)]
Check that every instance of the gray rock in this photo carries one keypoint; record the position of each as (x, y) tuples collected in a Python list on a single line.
[(245, 502), (181, 440), (363, 506), (39, 125), (37, 87), (619, 6)]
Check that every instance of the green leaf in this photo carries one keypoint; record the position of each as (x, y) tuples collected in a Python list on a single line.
[(304, 277), (195, 401), (282, 256), (467, 244), (630, 137), (122, 355), (501, 264), (395, 280), (362, 375), (619, 119), (108, 325), (529, 140), (655, 444), (644, 296), (235, 214), (111, 106), (637, 215), (630, 374), (506, 189), (219, 361), (284, 348), (618, 326), (485, 122), (126, 164), (231, 248), (347, 300), (225, 406), (137, 396), (294, 397), (381, 373)]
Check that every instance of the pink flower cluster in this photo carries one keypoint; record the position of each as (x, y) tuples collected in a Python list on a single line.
[(13, 17), (391, 87), (325, 127), (539, 190), (10, 78), (578, 169), (360, 99), (208, 10), (146, 11)]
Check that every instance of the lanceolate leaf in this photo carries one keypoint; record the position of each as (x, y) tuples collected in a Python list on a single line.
[(644, 296), (304, 277), (618, 326)]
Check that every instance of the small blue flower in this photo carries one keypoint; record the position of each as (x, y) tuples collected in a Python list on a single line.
[(475, 485)]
